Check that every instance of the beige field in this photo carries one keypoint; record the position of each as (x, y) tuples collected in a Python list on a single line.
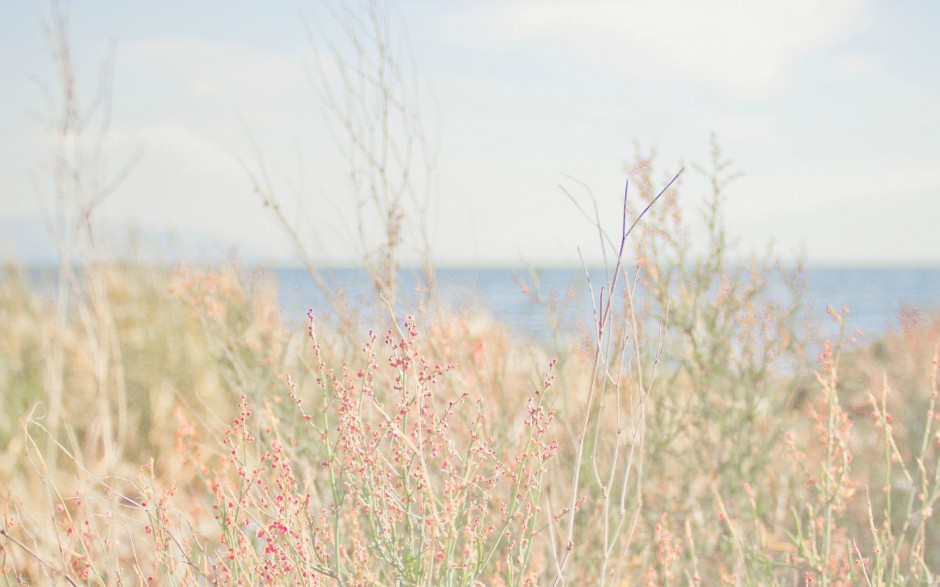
[(165, 427)]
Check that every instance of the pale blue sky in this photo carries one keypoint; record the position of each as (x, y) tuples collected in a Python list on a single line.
[(832, 109)]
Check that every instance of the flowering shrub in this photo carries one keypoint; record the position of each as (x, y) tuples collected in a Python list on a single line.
[(441, 458), (445, 451), (393, 484)]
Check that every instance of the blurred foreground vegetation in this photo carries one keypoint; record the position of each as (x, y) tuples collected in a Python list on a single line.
[(166, 427)]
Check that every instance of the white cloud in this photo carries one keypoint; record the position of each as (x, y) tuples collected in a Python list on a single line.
[(738, 46), (856, 64), (220, 70)]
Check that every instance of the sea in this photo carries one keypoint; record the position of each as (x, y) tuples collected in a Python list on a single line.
[(877, 298)]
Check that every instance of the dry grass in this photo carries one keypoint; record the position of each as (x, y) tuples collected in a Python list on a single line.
[(168, 428), (443, 452)]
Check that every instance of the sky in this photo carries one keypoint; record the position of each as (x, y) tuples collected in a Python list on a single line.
[(831, 109)]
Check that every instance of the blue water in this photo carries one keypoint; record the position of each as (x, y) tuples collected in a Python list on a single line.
[(875, 296)]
